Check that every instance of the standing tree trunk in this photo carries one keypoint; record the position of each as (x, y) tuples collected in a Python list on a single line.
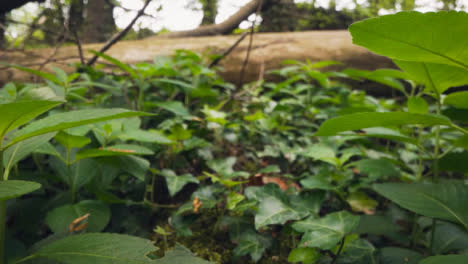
[(76, 16), (210, 10), (2, 31), (99, 23), (278, 16)]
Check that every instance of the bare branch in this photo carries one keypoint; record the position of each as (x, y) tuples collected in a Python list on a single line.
[(229, 50), (119, 35)]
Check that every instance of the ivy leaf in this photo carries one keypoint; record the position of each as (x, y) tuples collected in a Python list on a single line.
[(304, 255), (274, 206), (326, 232), (357, 251), (253, 244), (97, 248), (444, 200), (175, 183)]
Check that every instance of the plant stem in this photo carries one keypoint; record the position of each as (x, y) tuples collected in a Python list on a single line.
[(2, 214), (335, 258)]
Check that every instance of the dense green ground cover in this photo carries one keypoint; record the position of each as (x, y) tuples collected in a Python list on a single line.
[(307, 169)]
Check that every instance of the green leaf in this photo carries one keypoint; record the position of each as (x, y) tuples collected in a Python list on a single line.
[(304, 255), (377, 168), (175, 107), (386, 133), (13, 189), (19, 113), (326, 232), (409, 36), (452, 259), (133, 165), (322, 152), (175, 183), (22, 149), (445, 200), (253, 244), (151, 136), (60, 218), (180, 255), (454, 161), (373, 119), (448, 238), (274, 207), (71, 141), (361, 202), (117, 63), (98, 248), (63, 121), (357, 251), (417, 105), (457, 99), (435, 77), (44, 75), (383, 76), (393, 255), (115, 150)]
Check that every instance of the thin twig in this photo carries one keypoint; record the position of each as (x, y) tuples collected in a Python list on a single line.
[(78, 45), (252, 31), (228, 51), (119, 35), (335, 258)]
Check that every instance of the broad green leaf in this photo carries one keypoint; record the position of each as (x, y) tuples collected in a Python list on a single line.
[(376, 225), (444, 200), (377, 168), (448, 238), (393, 255), (98, 248), (175, 107), (44, 75), (373, 119), (180, 255), (19, 113), (317, 182), (63, 121), (71, 141), (253, 244), (117, 63), (233, 199), (454, 161), (115, 150), (133, 165), (452, 259), (435, 77), (386, 133), (80, 173), (326, 232), (417, 105), (151, 136), (379, 76), (22, 149), (60, 218), (409, 36), (304, 255), (322, 152), (175, 183), (457, 99), (13, 189)]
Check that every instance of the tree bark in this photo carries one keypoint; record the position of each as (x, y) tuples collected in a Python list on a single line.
[(210, 10), (99, 22), (222, 28)]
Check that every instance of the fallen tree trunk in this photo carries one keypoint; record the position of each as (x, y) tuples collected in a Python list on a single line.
[(268, 51)]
